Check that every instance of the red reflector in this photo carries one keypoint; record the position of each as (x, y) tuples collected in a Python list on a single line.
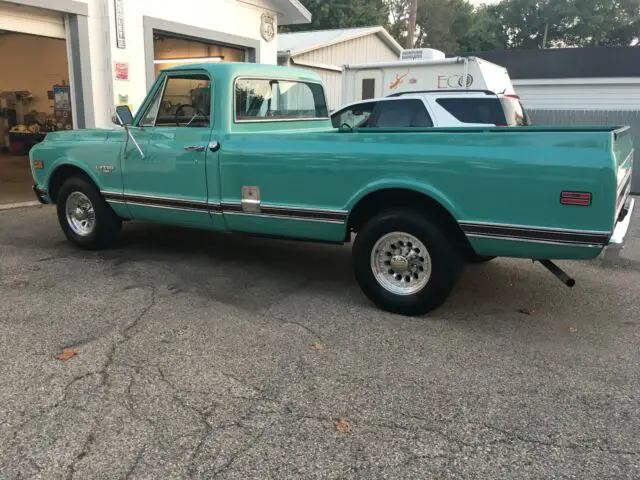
[(575, 198)]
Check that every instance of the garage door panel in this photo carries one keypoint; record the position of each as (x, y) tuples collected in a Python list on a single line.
[(34, 21)]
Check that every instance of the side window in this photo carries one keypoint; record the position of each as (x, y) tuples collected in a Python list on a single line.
[(475, 110), (149, 117), (184, 101), (402, 113), (422, 117), (264, 99), (355, 116)]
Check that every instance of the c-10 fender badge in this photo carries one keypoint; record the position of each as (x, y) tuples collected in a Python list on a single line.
[(104, 168)]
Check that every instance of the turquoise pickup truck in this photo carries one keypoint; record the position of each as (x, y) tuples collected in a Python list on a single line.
[(250, 148)]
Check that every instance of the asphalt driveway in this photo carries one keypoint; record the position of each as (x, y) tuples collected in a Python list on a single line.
[(222, 356)]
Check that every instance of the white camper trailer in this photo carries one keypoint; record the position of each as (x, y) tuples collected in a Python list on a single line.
[(423, 70)]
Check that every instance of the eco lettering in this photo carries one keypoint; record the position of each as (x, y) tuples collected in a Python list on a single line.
[(454, 81)]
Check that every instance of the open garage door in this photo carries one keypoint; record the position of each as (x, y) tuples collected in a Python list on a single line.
[(35, 91), (35, 21)]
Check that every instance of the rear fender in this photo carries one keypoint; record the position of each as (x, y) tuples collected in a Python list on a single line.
[(407, 184)]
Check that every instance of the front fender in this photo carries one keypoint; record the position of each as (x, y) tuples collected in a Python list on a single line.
[(98, 158), (70, 162)]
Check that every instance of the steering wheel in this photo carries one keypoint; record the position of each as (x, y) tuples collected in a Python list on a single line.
[(181, 107), (179, 110)]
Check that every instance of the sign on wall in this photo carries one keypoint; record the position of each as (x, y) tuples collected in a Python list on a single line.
[(267, 27), (122, 70), (120, 38)]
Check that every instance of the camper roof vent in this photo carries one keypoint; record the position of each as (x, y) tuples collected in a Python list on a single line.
[(422, 54)]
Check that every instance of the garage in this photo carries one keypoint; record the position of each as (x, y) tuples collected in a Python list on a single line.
[(170, 50), (66, 63), (35, 92)]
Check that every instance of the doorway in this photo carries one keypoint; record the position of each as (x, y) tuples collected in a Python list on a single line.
[(35, 98)]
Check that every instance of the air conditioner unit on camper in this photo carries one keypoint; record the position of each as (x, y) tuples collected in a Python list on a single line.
[(421, 54)]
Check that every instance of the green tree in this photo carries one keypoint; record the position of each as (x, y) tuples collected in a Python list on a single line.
[(398, 19), (553, 23), (485, 32), (330, 14), (441, 24), (604, 22)]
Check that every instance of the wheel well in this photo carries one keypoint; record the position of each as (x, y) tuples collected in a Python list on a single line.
[(58, 177), (381, 200)]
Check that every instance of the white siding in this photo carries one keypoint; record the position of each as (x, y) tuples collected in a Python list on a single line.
[(34, 21), (370, 48), (332, 86), (564, 95), (211, 15)]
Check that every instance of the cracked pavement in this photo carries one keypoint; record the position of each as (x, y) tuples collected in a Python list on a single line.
[(195, 361)]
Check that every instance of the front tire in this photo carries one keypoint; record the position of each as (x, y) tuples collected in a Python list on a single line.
[(84, 216), (405, 263)]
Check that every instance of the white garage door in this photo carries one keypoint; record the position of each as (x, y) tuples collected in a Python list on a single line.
[(35, 21)]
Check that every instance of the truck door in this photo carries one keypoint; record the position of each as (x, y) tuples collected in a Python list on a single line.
[(169, 184)]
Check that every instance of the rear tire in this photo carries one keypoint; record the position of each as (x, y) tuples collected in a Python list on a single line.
[(85, 217), (392, 255)]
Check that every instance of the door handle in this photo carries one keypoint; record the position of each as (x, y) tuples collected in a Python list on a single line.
[(214, 146), (194, 148)]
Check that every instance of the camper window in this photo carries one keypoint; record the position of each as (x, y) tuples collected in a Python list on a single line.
[(368, 88)]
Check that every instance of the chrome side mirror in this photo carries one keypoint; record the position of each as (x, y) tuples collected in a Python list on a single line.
[(114, 119), (123, 115)]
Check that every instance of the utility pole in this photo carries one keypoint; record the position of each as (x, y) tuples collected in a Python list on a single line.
[(411, 30), (544, 37)]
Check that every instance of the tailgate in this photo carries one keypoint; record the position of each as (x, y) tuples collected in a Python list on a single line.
[(623, 154)]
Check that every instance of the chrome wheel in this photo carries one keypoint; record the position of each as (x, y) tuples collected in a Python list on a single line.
[(80, 214), (401, 263)]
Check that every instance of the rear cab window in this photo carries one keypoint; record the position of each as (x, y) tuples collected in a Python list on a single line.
[(259, 99)]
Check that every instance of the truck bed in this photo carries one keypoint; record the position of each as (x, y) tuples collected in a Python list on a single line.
[(498, 177)]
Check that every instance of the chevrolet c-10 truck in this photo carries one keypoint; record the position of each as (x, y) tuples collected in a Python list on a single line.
[(250, 148)]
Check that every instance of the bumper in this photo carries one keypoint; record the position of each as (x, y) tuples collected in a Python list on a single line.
[(623, 224), (41, 194)]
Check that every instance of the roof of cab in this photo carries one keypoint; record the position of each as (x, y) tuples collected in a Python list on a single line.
[(238, 69)]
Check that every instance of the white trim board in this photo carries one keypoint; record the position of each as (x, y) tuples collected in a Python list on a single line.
[(578, 81)]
